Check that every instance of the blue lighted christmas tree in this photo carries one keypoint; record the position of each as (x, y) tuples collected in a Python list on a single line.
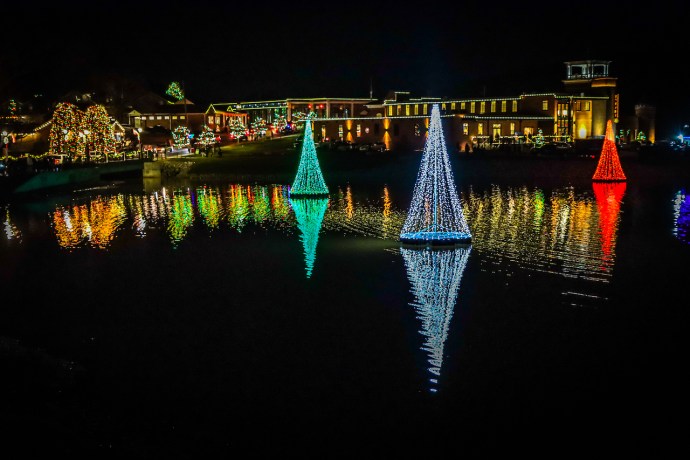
[(435, 215), (309, 213), (309, 180), (435, 279)]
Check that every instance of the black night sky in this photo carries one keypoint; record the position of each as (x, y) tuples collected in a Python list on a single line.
[(235, 51)]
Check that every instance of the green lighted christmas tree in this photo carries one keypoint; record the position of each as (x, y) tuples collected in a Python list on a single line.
[(309, 180), (309, 213), (100, 132), (175, 90)]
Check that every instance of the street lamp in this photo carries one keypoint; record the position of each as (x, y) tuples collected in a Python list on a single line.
[(141, 144)]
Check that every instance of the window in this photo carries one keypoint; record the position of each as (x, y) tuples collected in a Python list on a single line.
[(210, 120), (425, 109), (452, 106), (158, 117), (472, 107), (359, 130), (443, 106), (512, 128), (397, 110), (181, 117), (340, 131), (514, 106), (587, 106), (407, 110), (545, 105), (151, 117), (529, 131), (578, 105), (416, 109), (174, 117), (167, 117), (493, 106), (462, 106), (482, 107), (390, 110), (480, 129), (465, 128), (496, 132), (504, 106)]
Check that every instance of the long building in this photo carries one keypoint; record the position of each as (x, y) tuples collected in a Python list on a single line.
[(400, 120)]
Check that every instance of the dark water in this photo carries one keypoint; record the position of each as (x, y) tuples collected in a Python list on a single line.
[(217, 317)]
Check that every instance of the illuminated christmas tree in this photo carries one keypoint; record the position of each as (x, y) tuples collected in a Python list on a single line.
[(608, 196), (435, 215), (175, 90), (309, 213), (309, 180), (609, 167), (180, 137), (259, 126), (100, 134), (237, 128), (207, 137), (67, 131), (435, 280)]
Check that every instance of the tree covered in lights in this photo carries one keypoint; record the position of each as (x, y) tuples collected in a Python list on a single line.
[(236, 127), (609, 166), (435, 277), (539, 139), (309, 214), (280, 123), (175, 91), (207, 136), (299, 118), (309, 180), (67, 131), (259, 126), (435, 215), (180, 137), (100, 135)]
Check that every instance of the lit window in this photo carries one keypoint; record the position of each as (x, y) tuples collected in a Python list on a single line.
[(514, 106), (158, 117), (587, 106), (504, 106), (443, 106), (167, 117), (174, 117), (397, 110), (425, 109), (512, 128), (452, 106), (482, 107), (151, 117), (210, 120), (407, 110), (480, 129), (529, 131), (390, 110), (462, 106), (359, 130), (416, 109), (493, 106), (181, 117), (472, 107), (465, 128), (545, 105), (340, 131)]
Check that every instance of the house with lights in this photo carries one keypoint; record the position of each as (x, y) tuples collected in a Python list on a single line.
[(219, 116), (292, 110), (579, 112)]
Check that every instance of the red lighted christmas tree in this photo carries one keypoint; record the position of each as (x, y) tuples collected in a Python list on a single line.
[(609, 167)]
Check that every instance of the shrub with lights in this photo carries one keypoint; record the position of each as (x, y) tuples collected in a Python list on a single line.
[(180, 137)]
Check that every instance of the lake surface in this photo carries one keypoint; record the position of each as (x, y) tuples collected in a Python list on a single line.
[(212, 316)]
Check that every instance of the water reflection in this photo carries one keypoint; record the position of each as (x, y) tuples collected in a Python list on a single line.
[(309, 214), (681, 216), (435, 276), (564, 233), (609, 196), (95, 223)]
